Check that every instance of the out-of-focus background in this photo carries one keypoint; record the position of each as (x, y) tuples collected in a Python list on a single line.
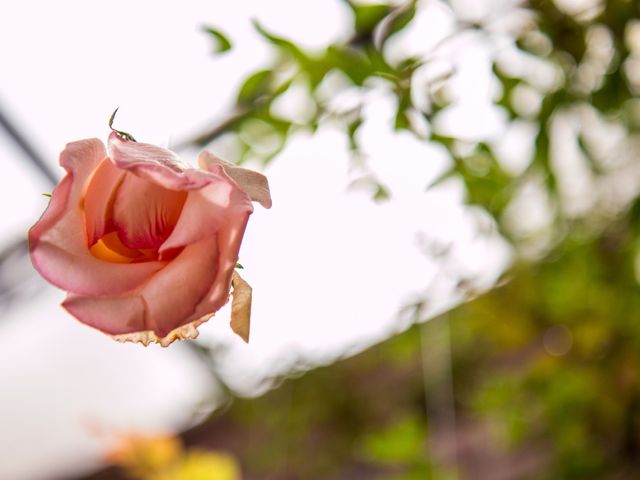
[(447, 285)]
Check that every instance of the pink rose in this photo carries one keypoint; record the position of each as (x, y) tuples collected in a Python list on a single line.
[(146, 246)]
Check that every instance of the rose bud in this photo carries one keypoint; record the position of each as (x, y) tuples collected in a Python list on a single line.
[(145, 245)]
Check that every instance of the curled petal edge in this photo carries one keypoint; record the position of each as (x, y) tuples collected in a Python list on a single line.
[(184, 332), (253, 183), (156, 164)]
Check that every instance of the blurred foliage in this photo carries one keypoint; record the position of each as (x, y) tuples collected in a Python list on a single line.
[(221, 42), (363, 417), (554, 357), (546, 366)]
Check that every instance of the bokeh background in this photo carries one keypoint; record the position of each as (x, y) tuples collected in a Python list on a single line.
[(447, 285)]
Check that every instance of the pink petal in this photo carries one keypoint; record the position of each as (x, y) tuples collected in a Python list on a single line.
[(155, 164), (85, 274), (113, 315), (207, 210), (57, 241), (229, 240), (174, 293), (99, 199), (145, 213), (78, 159), (253, 183)]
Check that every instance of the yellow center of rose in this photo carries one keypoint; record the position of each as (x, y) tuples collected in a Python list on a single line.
[(111, 249)]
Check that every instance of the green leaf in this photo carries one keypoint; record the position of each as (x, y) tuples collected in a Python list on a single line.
[(47, 195), (443, 177), (487, 184), (352, 130), (353, 63), (381, 194), (367, 16), (396, 21), (239, 266), (254, 86), (221, 43), (446, 141), (285, 46), (401, 121)]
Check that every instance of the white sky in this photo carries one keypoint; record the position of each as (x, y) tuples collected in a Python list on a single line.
[(330, 269)]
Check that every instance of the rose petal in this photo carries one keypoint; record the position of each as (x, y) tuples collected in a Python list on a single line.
[(113, 315), (99, 197), (84, 274), (78, 159), (229, 240), (57, 241), (145, 213), (174, 293), (255, 184), (207, 210), (156, 164), (241, 306)]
